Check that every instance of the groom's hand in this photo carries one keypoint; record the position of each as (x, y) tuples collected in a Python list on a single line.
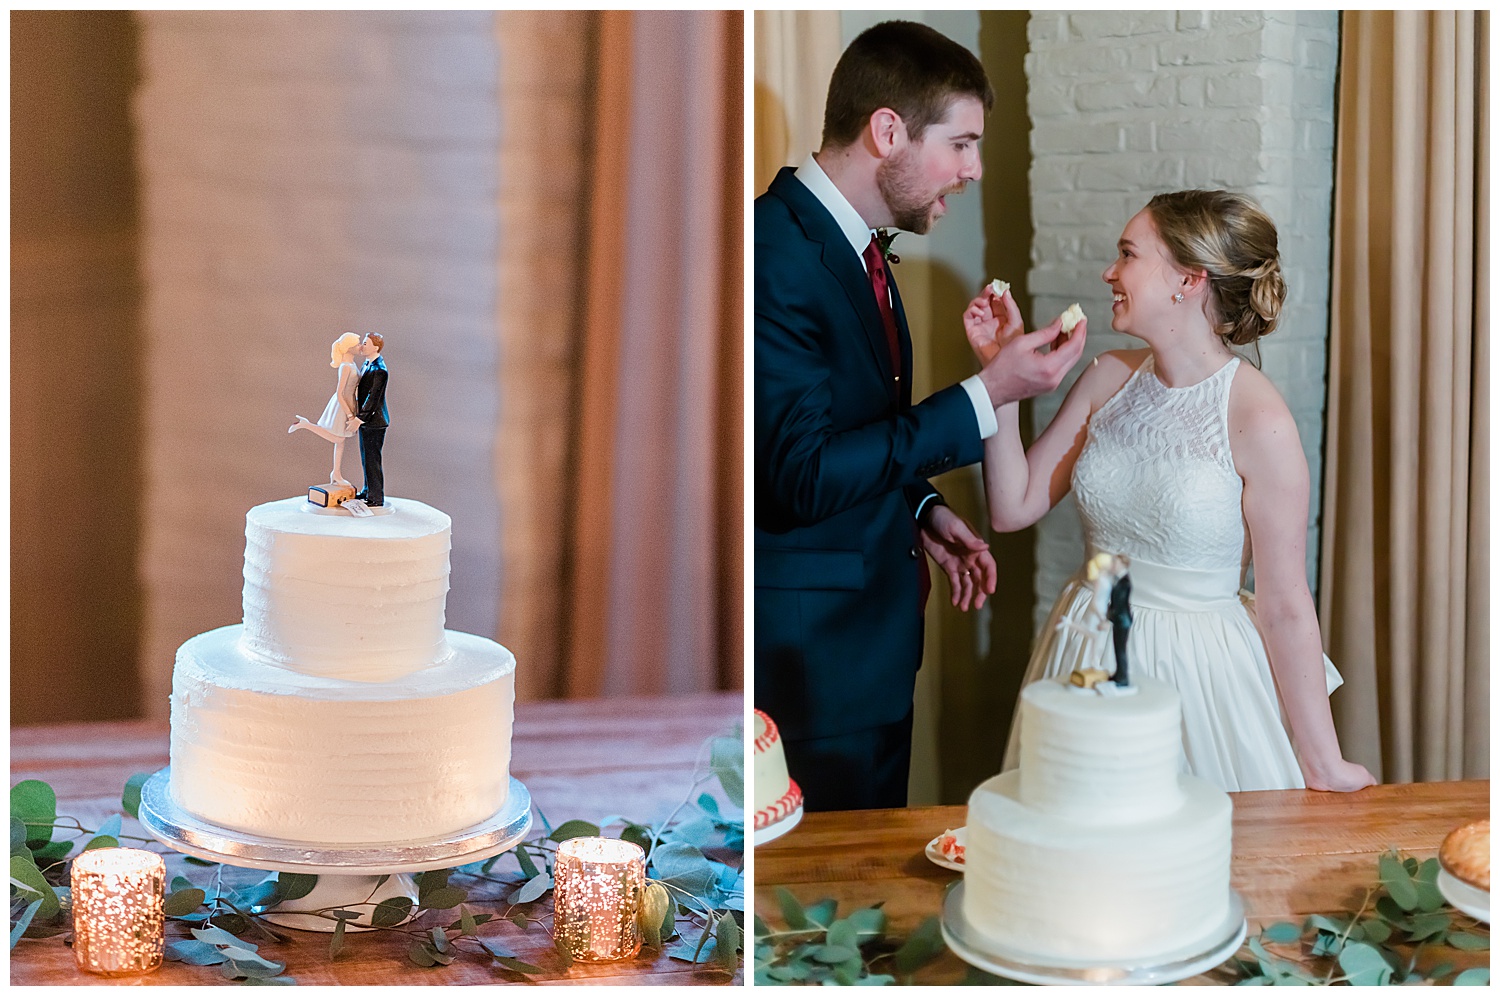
[(990, 322), (1019, 369), (964, 557)]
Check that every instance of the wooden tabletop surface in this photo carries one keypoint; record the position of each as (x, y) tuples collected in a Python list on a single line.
[(1295, 853), (580, 760)]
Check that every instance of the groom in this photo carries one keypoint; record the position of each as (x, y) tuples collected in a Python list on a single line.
[(370, 397), (843, 510)]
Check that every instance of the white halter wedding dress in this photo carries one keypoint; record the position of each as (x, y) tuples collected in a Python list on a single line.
[(1155, 482)]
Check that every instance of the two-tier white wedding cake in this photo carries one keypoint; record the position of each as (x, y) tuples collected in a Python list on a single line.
[(341, 711), (1097, 848)]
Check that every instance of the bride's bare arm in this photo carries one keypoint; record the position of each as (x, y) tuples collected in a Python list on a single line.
[(1022, 485), (1269, 458), (345, 390)]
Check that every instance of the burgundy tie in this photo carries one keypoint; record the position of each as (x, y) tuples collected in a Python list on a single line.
[(880, 282)]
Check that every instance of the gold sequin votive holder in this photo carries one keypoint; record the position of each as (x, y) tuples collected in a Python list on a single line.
[(597, 883), (117, 915)]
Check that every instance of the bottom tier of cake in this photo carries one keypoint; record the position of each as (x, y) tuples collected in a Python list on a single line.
[(266, 750), (1068, 889)]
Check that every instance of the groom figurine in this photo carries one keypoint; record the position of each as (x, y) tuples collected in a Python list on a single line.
[(843, 509), (370, 397)]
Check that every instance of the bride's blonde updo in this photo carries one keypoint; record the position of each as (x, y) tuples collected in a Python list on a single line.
[(342, 345), (1234, 241)]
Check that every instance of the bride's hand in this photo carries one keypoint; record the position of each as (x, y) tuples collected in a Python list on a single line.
[(1342, 776), (990, 321)]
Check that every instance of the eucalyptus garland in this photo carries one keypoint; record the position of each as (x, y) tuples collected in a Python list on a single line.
[(1398, 937), (692, 909)]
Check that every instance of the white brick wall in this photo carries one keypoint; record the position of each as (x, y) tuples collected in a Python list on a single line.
[(1128, 104), (302, 174)]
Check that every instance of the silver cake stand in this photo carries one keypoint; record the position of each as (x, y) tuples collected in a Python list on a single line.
[(1172, 966), (348, 875)]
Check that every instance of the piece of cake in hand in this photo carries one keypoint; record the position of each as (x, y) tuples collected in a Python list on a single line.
[(998, 287), (1071, 318)]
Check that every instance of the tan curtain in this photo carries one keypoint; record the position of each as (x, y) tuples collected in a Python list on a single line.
[(795, 52), (1404, 583), (655, 560)]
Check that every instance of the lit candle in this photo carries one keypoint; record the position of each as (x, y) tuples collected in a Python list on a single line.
[(117, 915), (597, 884)]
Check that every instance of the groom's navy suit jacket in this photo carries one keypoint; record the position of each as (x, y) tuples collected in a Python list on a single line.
[(841, 462)]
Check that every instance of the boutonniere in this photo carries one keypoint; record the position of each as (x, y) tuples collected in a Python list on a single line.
[(884, 238)]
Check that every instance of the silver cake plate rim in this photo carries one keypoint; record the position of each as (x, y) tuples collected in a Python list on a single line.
[(185, 832), (1172, 967)]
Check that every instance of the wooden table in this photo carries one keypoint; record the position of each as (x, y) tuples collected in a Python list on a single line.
[(580, 760), (1296, 852)]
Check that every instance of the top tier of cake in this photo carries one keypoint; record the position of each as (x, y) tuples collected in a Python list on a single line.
[(1101, 759), (359, 598)]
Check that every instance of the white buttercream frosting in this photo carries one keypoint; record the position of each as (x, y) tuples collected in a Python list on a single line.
[(1097, 848), (280, 753), (771, 779), (360, 598)]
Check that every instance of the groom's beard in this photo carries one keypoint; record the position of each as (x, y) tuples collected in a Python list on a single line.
[(899, 180)]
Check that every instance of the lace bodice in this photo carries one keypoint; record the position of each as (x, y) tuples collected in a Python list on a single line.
[(1155, 479)]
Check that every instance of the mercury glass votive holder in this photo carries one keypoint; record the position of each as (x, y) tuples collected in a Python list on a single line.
[(117, 912), (597, 884)]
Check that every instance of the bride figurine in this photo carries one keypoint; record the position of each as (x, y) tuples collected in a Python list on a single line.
[(1186, 461), (338, 421)]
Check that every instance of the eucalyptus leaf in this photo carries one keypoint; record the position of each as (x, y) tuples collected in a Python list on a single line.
[(218, 935), (517, 965), (1468, 942), (727, 759), (100, 841), (279, 980), (685, 867), (1364, 964), (52, 853), (728, 937), (234, 969), (35, 803), (391, 912), (1439, 972), (843, 934), (233, 922), (533, 890), (336, 943), (421, 953), (869, 924), (574, 828), (1282, 933), (25, 873), (430, 881), (1397, 881), (131, 797), (877, 980), (193, 952), (1429, 897), (18, 929), (440, 940), (833, 954), (1473, 977), (925, 944), (183, 902), (17, 833), (1425, 926), (199, 861), (708, 804), (179, 883), (290, 885), (521, 921), (495, 948), (823, 912), (791, 909), (523, 859), (638, 835), (467, 925), (1391, 912), (847, 974), (1376, 931), (445, 898)]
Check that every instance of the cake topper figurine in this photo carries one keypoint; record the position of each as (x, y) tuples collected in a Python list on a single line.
[(1108, 580), (339, 420), (374, 418)]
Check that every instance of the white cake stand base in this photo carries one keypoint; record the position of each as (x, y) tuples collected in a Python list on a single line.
[(347, 874), (1171, 967)]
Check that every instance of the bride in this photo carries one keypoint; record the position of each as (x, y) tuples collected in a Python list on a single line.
[(338, 421), (1187, 461)]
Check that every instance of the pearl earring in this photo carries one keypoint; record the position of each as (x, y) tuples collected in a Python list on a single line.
[(1177, 298)]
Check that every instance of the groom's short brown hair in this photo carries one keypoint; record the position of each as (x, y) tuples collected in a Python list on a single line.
[(906, 66)]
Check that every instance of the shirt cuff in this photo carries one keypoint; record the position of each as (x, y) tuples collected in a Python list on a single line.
[(983, 410), (922, 506)]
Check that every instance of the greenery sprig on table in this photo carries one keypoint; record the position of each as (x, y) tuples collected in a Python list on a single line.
[(1403, 924), (693, 908), (818, 948)]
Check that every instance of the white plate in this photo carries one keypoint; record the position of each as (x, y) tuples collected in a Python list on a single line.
[(1469, 898), (767, 834), (935, 853)]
